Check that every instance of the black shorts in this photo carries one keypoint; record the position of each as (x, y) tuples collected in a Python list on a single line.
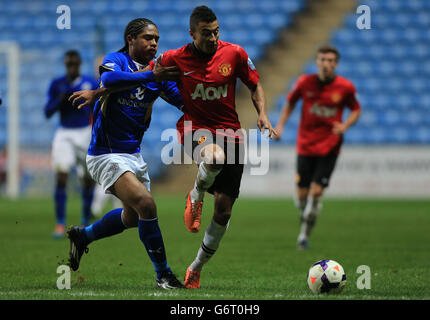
[(230, 176), (316, 169)]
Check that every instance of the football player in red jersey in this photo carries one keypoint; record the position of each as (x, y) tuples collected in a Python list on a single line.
[(320, 133), (209, 70)]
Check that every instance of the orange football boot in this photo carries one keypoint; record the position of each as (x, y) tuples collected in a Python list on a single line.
[(192, 279), (193, 214), (59, 232)]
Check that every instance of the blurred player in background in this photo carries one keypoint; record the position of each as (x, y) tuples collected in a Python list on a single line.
[(320, 133), (101, 199), (209, 70), (71, 139), (120, 119)]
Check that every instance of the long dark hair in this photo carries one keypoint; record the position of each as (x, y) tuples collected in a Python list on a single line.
[(134, 27)]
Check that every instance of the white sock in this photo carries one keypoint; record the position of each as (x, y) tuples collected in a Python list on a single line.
[(205, 178), (310, 214), (210, 243)]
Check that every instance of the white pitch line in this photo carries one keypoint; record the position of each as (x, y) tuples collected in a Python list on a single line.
[(63, 293)]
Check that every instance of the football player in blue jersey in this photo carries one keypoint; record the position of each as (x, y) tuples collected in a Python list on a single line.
[(71, 139), (114, 159)]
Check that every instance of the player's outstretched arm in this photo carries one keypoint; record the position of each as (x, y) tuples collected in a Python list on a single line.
[(89, 97), (287, 109), (259, 101), (121, 79)]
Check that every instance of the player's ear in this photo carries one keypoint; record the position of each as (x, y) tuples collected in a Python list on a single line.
[(129, 39), (192, 34)]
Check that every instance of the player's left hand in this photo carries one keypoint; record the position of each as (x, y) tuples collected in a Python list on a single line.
[(339, 128), (263, 123), (86, 97)]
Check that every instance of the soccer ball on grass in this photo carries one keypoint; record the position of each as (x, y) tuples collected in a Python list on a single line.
[(326, 276)]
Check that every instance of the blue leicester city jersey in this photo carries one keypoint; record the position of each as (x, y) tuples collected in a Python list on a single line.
[(59, 92), (121, 118)]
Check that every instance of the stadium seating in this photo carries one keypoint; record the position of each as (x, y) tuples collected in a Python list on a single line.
[(390, 67), (97, 28)]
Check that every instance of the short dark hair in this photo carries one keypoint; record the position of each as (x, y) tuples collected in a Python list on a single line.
[(72, 54), (329, 49), (133, 28), (201, 13)]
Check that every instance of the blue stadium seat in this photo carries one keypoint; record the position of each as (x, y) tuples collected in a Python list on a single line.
[(390, 67)]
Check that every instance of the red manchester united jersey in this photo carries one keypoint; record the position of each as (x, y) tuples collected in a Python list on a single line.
[(323, 105), (207, 85)]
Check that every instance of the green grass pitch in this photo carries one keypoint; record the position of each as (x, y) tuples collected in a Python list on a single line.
[(257, 258)]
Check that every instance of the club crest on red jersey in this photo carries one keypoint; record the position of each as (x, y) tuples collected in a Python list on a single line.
[(201, 140), (225, 69), (336, 97)]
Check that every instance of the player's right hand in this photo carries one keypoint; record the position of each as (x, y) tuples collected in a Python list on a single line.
[(86, 97), (263, 123), (162, 73), (279, 130)]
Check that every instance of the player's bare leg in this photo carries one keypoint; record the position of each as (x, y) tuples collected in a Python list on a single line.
[(301, 199), (212, 157), (129, 216), (213, 235), (139, 202), (310, 214), (60, 197), (139, 211)]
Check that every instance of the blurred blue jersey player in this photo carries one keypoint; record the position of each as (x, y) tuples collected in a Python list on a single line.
[(71, 139), (114, 159)]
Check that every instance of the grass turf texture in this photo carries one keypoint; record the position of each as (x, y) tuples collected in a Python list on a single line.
[(257, 258)]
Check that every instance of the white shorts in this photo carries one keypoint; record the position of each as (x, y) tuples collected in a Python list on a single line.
[(69, 149), (106, 169)]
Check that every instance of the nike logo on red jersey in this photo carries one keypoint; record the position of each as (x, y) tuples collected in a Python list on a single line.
[(187, 73)]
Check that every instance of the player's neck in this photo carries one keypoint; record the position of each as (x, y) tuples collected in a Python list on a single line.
[(326, 79), (73, 77), (142, 62), (199, 52)]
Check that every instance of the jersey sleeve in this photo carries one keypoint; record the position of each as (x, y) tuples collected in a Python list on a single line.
[(170, 93), (351, 100), (294, 95), (55, 99), (110, 63), (246, 70)]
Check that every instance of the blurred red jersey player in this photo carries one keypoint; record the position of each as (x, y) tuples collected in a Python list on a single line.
[(320, 134), (209, 70)]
